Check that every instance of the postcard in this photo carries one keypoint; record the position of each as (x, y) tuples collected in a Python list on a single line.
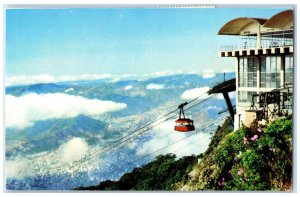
[(149, 99)]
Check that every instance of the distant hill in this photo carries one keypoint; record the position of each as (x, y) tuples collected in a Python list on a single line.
[(49, 134), (41, 88)]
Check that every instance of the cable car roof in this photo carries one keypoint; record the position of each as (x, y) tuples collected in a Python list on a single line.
[(184, 121)]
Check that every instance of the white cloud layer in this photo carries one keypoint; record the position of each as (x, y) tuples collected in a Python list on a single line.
[(208, 74), (163, 73), (23, 111), (154, 86), (73, 150), (26, 80), (193, 93), (18, 168), (45, 78), (128, 87), (164, 135)]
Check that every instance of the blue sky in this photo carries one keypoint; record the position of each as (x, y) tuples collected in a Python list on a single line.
[(118, 41)]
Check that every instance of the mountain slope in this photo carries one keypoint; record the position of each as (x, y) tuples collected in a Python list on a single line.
[(164, 173), (255, 158), (49, 134), (161, 174)]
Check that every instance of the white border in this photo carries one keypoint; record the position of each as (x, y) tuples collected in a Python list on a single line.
[(136, 3)]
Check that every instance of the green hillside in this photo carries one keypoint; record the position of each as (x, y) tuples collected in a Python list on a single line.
[(255, 158), (161, 174)]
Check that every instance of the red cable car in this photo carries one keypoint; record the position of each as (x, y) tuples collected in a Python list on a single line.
[(183, 124)]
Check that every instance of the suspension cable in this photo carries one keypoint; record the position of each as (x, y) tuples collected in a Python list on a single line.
[(108, 148)]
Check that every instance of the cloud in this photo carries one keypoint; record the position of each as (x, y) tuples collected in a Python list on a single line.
[(154, 86), (213, 107), (26, 80), (69, 90), (46, 78), (23, 111), (132, 145), (164, 135), (162, 73), (228, 70), (73, 150), (116, 79), (231, 95), (193, 93), (128, 87), (208, 74), (18, 168)]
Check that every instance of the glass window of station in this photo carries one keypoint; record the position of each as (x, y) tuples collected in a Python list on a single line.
[(270, 72), (248, 72)]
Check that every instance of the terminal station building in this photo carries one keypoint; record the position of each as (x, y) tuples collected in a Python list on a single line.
[(264, 66)]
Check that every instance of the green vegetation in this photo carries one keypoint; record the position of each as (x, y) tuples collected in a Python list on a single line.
[(255, 158), (161, 174)]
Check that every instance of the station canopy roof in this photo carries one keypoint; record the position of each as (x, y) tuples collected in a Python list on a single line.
[(283, 20), (240, 26), (250, 26)]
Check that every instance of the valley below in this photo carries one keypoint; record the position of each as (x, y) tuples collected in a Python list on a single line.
[(61, 149)]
